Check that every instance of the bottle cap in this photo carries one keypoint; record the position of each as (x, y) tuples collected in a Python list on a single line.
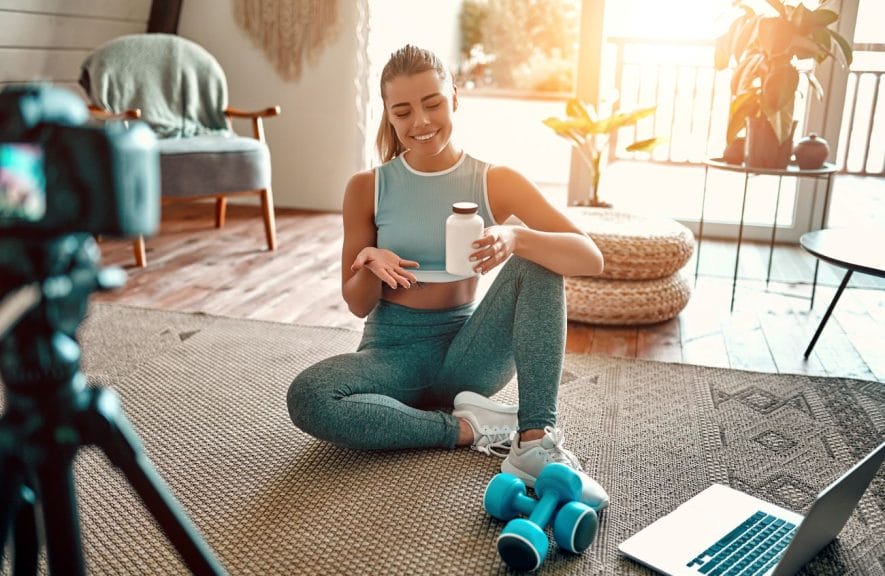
[(465, 208)]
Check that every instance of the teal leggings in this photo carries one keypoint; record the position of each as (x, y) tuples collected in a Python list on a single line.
[(396, 390)]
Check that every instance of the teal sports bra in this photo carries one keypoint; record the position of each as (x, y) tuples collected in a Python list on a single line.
[(411, 208)]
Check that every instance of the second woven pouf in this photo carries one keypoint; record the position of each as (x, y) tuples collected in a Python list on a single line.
[(641, 283)]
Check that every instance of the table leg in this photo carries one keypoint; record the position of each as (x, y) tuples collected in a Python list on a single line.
[(829, 311), (823, 223), (827, 193), (697, 263), (777, 204), (737, 255)]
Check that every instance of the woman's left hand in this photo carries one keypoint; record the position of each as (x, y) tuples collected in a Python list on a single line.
[(494, 247)]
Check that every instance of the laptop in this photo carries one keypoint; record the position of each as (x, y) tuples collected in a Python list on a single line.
[(724, 532)]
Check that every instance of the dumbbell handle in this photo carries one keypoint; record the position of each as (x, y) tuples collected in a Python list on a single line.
[(544, 508), (524, 504)]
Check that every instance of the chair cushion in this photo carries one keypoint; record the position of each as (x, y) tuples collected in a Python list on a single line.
[(208, 164)]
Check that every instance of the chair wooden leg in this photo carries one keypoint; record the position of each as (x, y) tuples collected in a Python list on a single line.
[(138, 250), (270, 227), (220, 211)]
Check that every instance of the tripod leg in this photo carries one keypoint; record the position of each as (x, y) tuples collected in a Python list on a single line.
[(25, 538), (17, 512), (59, 509), (115, 436), (9, 481)]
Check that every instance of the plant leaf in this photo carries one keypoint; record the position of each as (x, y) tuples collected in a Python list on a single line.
[(744, 106), (815, 84), (845, 47), (569, 129), (804, 47), (824, 40), (823, 17), (617, 121), (721, 56), (779, 88), (801, 19), (775, 36), (782, 123), (575, 109), (777, 5), (746, 31), (746, 72), (645, 145)]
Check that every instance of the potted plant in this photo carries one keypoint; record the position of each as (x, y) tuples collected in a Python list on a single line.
[(589, 135), (766, 49)]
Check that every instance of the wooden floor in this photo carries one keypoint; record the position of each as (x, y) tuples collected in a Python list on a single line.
[(194, 267)]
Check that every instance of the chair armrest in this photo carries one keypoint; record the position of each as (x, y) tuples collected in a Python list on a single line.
[(102, 114), (257, 124), (237, 113)]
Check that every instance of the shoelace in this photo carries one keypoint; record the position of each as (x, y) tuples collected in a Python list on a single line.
[(557, 453), (494, 444)]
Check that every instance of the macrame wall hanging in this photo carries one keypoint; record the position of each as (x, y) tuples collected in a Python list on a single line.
[(289, 31)]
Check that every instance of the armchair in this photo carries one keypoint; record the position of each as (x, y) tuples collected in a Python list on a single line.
[(180, 90)]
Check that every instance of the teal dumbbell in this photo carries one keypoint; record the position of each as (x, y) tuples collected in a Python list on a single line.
[(523, 544)]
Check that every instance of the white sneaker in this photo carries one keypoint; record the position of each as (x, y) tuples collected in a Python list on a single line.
[(492, 423), (526, 459)]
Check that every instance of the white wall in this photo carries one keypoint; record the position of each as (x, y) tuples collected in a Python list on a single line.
[(318, 142), (46, 40)]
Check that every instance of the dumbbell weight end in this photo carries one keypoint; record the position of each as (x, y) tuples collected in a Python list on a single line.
[(505, 497), (522, 545), (574, 527)]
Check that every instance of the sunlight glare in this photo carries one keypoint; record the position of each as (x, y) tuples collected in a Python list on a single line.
[(675, 19)]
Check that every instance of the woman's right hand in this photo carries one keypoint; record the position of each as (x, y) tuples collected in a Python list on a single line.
[(386, 265)]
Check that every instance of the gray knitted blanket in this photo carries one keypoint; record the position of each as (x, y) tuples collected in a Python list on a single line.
[(179, 87)]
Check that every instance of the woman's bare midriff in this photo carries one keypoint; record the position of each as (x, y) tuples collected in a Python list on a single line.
[(433, 295)]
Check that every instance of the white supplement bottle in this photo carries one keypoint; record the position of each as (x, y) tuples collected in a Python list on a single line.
[(463, 227)]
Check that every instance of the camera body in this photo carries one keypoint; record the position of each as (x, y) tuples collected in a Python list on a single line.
[(59, 175)]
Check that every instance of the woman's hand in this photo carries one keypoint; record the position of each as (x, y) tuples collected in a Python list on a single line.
[(386, 265), (494, 247)]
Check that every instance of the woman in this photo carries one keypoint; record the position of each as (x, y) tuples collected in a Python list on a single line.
[(427, 345)]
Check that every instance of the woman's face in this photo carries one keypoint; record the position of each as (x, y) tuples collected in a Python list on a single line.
[(420, 109)]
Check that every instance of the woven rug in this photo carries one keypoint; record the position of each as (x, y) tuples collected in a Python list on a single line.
[(207, 397)]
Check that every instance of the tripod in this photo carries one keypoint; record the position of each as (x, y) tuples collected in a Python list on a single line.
[(50, 413)]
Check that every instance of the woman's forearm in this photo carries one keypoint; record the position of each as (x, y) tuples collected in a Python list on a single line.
[(362, 291), (566, 253)]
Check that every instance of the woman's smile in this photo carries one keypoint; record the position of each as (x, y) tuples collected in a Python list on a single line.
[(426, 136)]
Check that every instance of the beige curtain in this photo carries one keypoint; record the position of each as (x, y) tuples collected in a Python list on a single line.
[(289, 31)]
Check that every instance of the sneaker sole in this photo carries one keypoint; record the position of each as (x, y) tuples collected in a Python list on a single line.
[(465, 399)]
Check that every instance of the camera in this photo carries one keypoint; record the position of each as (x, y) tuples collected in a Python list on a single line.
[(60, 175), (61, 182)]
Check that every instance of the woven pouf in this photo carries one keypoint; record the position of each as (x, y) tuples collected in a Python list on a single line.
[(641, 283), (626, 302), (635, 247)]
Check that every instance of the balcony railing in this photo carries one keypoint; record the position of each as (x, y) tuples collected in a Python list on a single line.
[(862, 139), (693, 100)]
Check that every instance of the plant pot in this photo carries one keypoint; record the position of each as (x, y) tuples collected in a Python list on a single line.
[(762, 148), (734, 152), (811, 152)]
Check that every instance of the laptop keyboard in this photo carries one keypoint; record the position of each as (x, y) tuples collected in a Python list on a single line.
[(752, 548)]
